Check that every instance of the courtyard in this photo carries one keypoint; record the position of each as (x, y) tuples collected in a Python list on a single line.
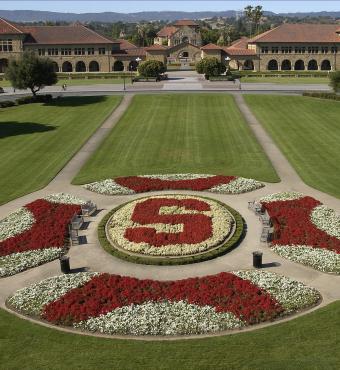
[(163, 160)]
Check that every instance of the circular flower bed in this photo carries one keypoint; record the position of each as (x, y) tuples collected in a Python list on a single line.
[(112, 304), (35, 233), (195, 182), (166, 227), (305, 231)]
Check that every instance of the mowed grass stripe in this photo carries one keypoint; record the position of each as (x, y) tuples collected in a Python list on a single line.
[(307, 342), (307, 130), (37, 140), (177, 133)]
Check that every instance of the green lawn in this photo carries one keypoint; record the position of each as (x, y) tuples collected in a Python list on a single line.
[(287, 80), (37, 140), (177, 133), (81, 81), (308, 132), (305, 343)]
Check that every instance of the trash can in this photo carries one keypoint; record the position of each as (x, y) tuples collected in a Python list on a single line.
[(257, 259), (64, 264)]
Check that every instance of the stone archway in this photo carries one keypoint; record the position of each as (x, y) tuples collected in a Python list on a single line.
[(118, 66), (133, 65), (312, 65), (326, 65), (248, 65), (67, 67), (80, 66), (273, 65), (3, 65), (286, 65), (55, 67), (299, 65), (94, 66)]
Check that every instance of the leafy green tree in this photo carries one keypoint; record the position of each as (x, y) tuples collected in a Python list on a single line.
[(210, 67), (31, 72), (335, 81), (151, 68)]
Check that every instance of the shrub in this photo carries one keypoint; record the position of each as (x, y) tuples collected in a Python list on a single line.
[(322, 95), (7, 103), (210, 67), (151, 68), (34, 99), (335, 81)]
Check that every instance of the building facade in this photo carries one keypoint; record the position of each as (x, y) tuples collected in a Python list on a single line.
[(76, 48)]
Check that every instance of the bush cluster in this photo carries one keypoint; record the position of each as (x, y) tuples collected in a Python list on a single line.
[(322, 95), (27, 100)]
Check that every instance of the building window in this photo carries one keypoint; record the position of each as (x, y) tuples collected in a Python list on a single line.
[(313, 49), (52, 51), (324, 49), (101, 50), (79, 51), (334, 49), (275, 49), (264, 50), (300, 50), (41, 51), (6, 45), (90, 51), (66, 51), (286, 49)]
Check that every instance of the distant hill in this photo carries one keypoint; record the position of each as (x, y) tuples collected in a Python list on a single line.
[(41, 16)]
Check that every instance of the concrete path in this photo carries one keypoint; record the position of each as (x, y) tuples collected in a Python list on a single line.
[(93, 257)]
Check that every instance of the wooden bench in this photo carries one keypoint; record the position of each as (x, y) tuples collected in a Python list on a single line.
[(88, 209)]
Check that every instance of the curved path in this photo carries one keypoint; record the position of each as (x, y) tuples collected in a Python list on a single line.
[(93, 257)]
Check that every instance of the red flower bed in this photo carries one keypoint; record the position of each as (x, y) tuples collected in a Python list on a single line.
[(49, 229), (293, 226), (196, 227), (225, 291), (143, 184)]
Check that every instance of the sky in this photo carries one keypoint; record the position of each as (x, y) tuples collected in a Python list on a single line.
[(126, 6)]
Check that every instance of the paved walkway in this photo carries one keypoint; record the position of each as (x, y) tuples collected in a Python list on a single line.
[(92, 256)]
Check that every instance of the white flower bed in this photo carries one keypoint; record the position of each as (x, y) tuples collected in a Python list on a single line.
[(318, 258), (327, 220), (17, 262), (221, 218), (32, 299), (162, 318), (237, 186), (64, 198), (108, 187), (288, 195), (291, 294), (16, 223)]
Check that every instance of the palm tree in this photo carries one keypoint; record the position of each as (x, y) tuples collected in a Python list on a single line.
[(248, 12), (141, 30), (257, 15)]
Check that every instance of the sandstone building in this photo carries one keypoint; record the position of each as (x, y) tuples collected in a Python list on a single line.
[(76, 48)]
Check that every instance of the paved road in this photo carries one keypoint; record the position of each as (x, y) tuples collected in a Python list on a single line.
[(95, 258)]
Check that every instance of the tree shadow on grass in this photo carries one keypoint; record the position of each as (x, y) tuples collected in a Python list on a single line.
[(75, 101), (14, 128)]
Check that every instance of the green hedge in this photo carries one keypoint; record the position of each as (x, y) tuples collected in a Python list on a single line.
[(7, 103), (222, 78), (34, 99), (283, 74), (322, 95), (233, 242)]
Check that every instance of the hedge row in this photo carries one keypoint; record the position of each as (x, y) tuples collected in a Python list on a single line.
[(322, 95), (233, 242), (26, 100), (283, 74)]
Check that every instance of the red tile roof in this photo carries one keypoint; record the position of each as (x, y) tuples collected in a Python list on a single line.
[(185, 22), (155, 47), (125, 44), (241, 43), (301, 32), (239, 51), (62, 35), (211, 47), (167, 31), (7, 27)]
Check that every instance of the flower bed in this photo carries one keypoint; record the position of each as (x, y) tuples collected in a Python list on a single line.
[(172, 226), (305, 231), (195, 182), (35, 233), (112, 304)]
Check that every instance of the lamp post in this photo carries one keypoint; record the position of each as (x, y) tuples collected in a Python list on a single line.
[(227, 60), (138, 59)]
